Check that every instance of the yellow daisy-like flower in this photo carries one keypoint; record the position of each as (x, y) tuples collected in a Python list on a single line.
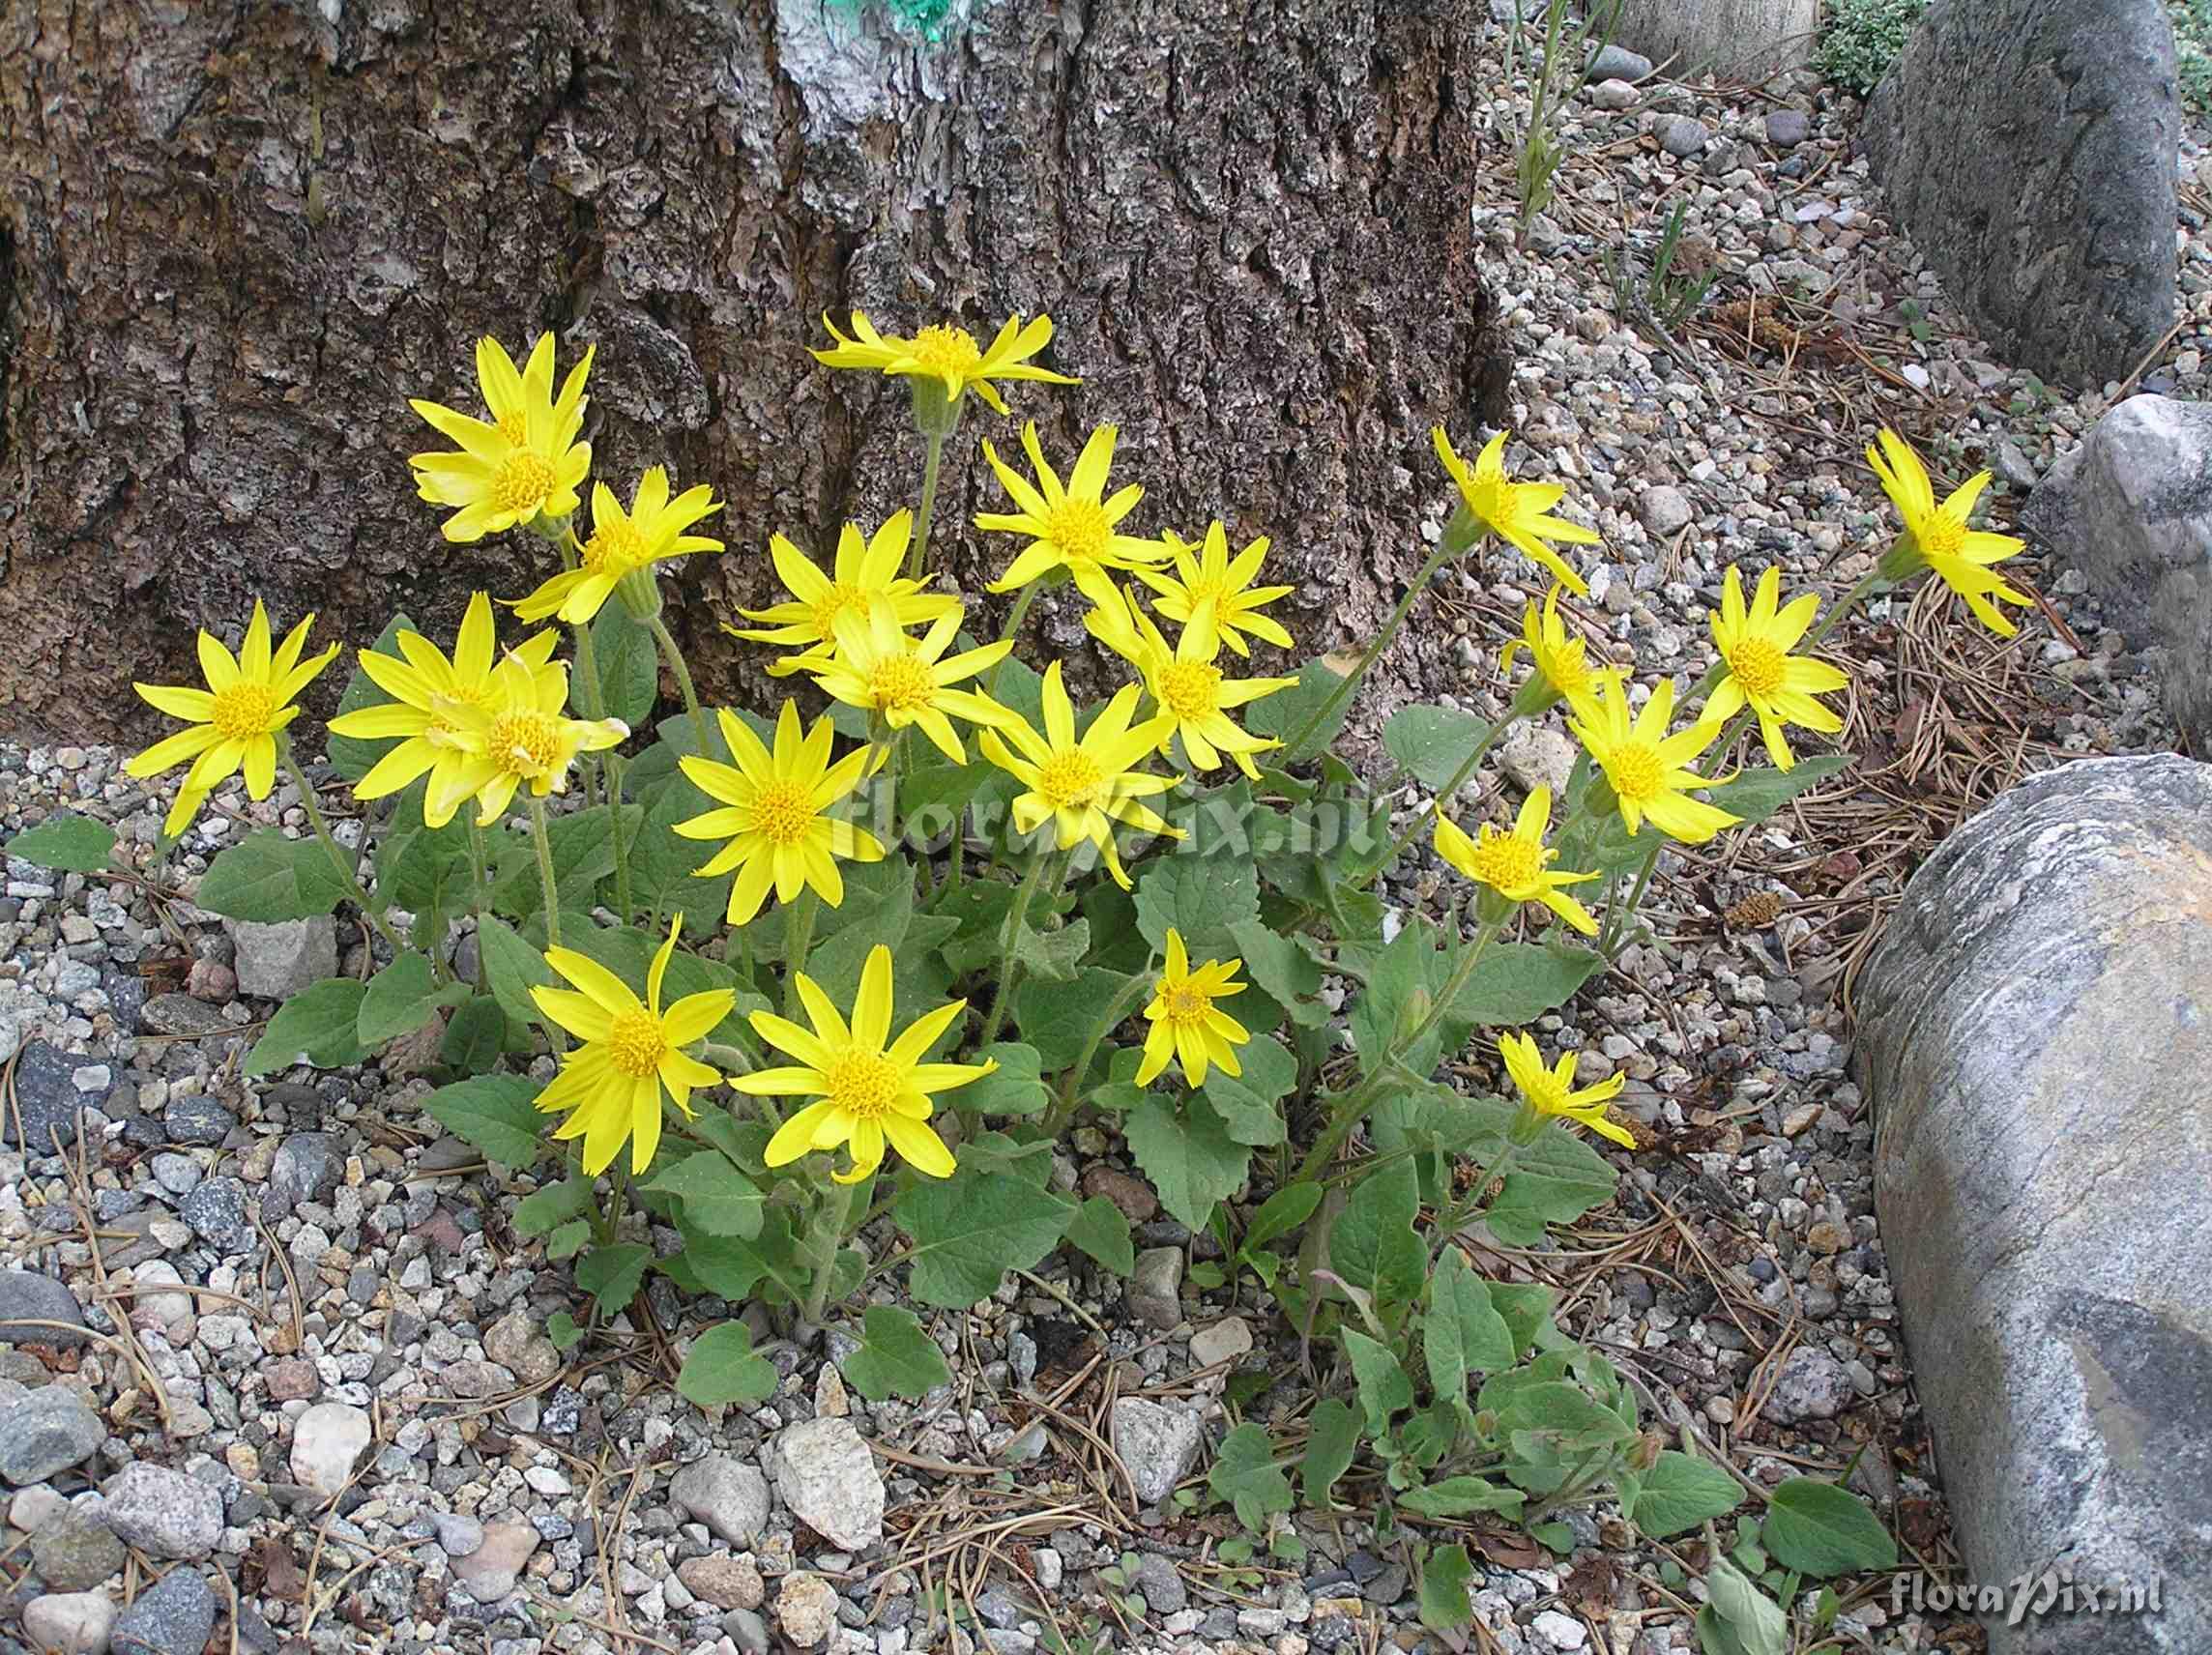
[(948, 355), (1563, 672), (1515, 511), (1084, 787), (1937, 538), (864, 576), (525, 462), (1185, 1025), (772, 814), (1647, 767), (654, 529), (519, 733), (1212, 594), (878, 668), (1516, 865), (1551, 1090), (869, 1089), (1763, 674), (1074, 528), (1189, 689), (420, 682), (631, 1052), (234, 720)]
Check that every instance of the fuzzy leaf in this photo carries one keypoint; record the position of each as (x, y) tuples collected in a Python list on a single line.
[(1680, 1492), (896, 1357), (401, 998), (1202, 899), (1554, 1181), (1101, 1229), (1247, 1102), (1245, 1474), (1188, 1156), (1444, 1601), (65, 843), (1017, 1088), (611, 1274), (1758, 794), (317, 1026), (1822, 1530), (629, 667), (969, 1230), (1463, 1333), (495, 1114), (267, 879), (716, 1198), (1289, 975), (1373, 1244), (1383, 1387), (1431, 742), (512, 969), (722, 1366), (1333, 1438), (1462, 1497)]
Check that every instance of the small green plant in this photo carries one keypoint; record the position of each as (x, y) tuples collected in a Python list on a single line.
[(2192, 49), (1539, 151), (1666, 297), (1862, 38)]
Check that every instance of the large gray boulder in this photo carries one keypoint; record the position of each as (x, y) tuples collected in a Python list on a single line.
[(2036, 1030), (2028, 148), (2131, 507), (1731, 39)]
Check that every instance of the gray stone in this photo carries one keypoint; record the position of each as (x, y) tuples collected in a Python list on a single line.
[(181, 1014), (1224, 1341), (325, 1441), (1787, 129), (217, 1214), (27, 1298), (2013, 466), (489, 1573), (69, 1623), (725, 1494), (2036, 1030), (197, 1119), (459, 1534), (1154, 1288), (748, 1630), (163, 1513), (807, 1609), (173, 1616), (1729, 39), (1665, 511), (829, 1480), (179, 1174), (48, 1431), (1810, 1384), (1157, 1443), (1614, 62), (74, 1550), (306, 1168), (2027, 146), (47, 1098), (1680, 136), (515, 1343), (2131, 510), (1162, 1586), (1614, 95), (1536, 755), (277, 962)]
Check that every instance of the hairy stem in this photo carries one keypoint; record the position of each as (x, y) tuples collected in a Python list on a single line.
[(674, 657), (550, 886), (917, 549), (338, 861)]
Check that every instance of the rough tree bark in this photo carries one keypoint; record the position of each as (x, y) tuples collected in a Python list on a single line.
[(236, 236)]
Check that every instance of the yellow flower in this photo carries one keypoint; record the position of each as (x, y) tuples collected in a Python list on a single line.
[(1563, 671), (1937, 537), (418, 683), (771, 813), (234, 720), (518, 733), (1552, 1091), (1515, 511), (948, 355), (1185, 1025), (867, 1092), (651, 530), (1072, 528), (1210, 592), (525, 463), (879, 669), (1084, 787), (1647, 767), (611, 1084), (1516, 864), (1189, 689), (1762, 673), (862, 575)]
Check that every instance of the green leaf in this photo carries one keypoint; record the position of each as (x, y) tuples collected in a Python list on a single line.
[(1286, 972), (629, 669), (660, 859), (1284, 713), (1680, 1492), (1201, 899), (1017, 1088), (1527, 1310), (401, 998), (1739, 1619), (718, 1198), (1281, 1213), (1444, 1601), (723, 1368), (267, 879), (473, 1035), (1557, 1417), (896, 1357), (969, 1230), (1373, 1244), (560, 1327), (65, 843), (1053, 956), (315, 1025), (1754, 794), (428, 867), (1101, 1229), (545, 1212), (583, 849), (1247, 1102), (1058, 1019), (1463, 1333), (512, 969), (1461, 1497), (732, 1267), (353, 755), (1554, 1181), (1188, 1156), (1245, 1474), (1383, 1387), (1515, 983), (611, 1274), (1333, 1438), (1431, 742), (494, 1113), (1822, 1530), (568, 1239)]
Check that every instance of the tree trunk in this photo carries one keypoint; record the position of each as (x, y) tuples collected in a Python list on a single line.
[(238, 236)]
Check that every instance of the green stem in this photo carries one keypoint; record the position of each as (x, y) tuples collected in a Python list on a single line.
[(828, 1236), (545, 879), (1609, 934), (479, 868), (1460, 1211), (1022, 601), (1009, 966), (338, 861), (616, 766), (934, 453), (1065, 1111), (1430, 811), (674, 657), (802, 936), (588, 693), (1294, 748)]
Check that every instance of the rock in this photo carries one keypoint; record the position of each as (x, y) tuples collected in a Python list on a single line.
[(180, 1014), (1224, 1341), (1132, 1195), (151, 1307), (69, 1623), (211, 981), (325, 1441), (163, 1513), (1665, 511), (515, 1343), (829, 1399), (2029, 149), (1787, 129), (807, 1608), (2036, 1030), (48, 1431), (217, 1214), (2131, 510), (1157, 1443), (1680, 137), (1560, 1631), (306, 1168), (747, 1630), (726, 1583), (173, 1616), (1153, 1290), (295, 1379), (277, 962), (1162, 1586), (2013, 466), (197, 1119), (47, 1099), (459, 1535), (28, 1298), (74, 1550), (829, 1480), (1536, 755), (1613, 61), (30, 1507), (1729, 39), (179, 1174), (489, 1573), (1614, 95), (1811, 1385), (725, 1494)]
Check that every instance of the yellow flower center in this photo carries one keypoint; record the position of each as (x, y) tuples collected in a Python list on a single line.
[(1080, 530), (1506, 862), (615, 548), (527, 744), (1187, 688), (636, 1044), (841, 597), (1070, 779), (243, 709), (1565, 667), (864, 1084), (1184, 1003), (1757, 665), (1635, 771), (1213, 588), (514, 428), (1545, 1094), (901, 683), (522, 482), (783, 811), (1494, 500), (945, 350), (1939, 537)]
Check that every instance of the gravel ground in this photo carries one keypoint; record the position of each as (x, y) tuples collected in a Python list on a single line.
[(281, 1276)]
